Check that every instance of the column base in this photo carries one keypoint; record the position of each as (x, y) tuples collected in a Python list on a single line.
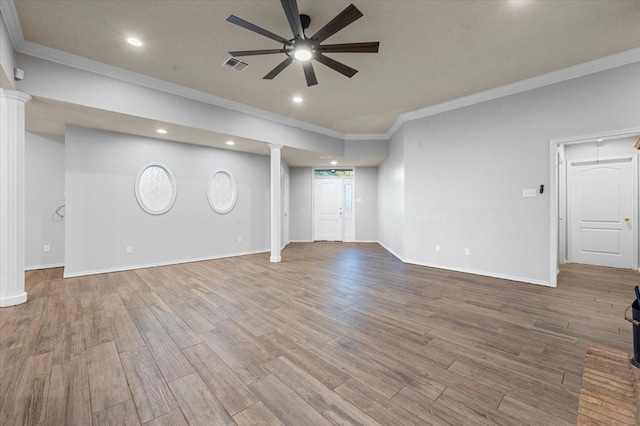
[(275, 259), (13, 300)]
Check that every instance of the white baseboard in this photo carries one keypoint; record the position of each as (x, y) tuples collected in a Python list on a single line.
[(14, 300), (482, 273), (301, 241), (48, 266), (392, 252), (155, 264), (469, 271)]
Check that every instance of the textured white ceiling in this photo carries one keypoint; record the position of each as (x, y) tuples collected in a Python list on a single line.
[(430, 51)]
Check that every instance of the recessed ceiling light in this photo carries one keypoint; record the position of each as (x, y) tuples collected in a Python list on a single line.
[(297, 99), (230, 143), (162, 131), (134, 42), (334, 162)]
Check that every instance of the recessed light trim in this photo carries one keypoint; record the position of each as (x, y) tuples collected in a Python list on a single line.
[(230, 143), (162, 131), (133, 41), (334, 162), (297, 99)]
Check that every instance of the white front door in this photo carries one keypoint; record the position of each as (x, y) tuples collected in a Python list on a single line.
[(328, 209), (601, 213)]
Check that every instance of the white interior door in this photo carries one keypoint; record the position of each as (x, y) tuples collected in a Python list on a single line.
[(601, 213), (328, 209)]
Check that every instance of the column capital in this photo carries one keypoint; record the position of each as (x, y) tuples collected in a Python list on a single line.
[(275, 146), (15, 95)]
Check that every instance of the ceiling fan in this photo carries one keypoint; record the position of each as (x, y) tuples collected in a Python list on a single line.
[(305, 49)]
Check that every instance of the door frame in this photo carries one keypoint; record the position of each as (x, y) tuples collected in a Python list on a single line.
[(286, 206), (554, 145), (313, 197), (634, 205)]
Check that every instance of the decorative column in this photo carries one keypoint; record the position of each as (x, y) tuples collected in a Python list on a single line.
[(12, 197), (276, 203)]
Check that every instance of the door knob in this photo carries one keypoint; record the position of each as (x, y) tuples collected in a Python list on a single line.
[(561, 218), (627, 219)]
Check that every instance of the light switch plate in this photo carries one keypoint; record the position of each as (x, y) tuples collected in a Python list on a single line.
[(528, 192)]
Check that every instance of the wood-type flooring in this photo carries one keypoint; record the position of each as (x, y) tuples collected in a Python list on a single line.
[(335, 334)]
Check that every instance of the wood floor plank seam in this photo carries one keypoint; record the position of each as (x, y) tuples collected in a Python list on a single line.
[(336, 333)]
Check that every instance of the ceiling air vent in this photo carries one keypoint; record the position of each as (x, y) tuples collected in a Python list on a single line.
[(235, 64)]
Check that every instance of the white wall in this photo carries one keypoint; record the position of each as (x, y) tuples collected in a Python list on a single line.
[(366, 204), (391, 197), (465, 171), (103, 216), (44, 193)]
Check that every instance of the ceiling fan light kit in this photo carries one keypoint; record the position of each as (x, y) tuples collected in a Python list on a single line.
[(306, 49)]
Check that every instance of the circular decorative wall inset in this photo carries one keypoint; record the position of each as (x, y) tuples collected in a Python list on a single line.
[(155, 188), (222, 191)]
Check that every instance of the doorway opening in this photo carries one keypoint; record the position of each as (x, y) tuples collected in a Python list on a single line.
[(334, 216), (594, 204)]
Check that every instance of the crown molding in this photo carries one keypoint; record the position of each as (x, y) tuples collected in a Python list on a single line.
[(10, 18), (9, 14), (90, 65), (366, 137), (580, 70)]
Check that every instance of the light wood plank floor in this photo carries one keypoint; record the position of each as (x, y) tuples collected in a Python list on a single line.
[(336, 333)]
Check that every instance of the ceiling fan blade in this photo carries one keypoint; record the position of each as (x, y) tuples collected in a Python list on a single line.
[(277, 70), (367, 47), (256, 29), (340, 67), (255, 52), (309, 74), (293, 16), (344, 18)]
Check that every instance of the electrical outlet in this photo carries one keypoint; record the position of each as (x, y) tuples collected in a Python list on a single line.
[(438, 247), (129, 249), (467, 252), (528, 193), (239, 239), (47, 248)]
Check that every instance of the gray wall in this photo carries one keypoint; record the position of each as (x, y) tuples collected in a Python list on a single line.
[(300, 208), (44, 193), (465, 171), (366, 204), (391, 197), (103, 216), (63, 83)]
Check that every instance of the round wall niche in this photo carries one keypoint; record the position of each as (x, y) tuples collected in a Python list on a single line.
[(222, 191), (155, 188)]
